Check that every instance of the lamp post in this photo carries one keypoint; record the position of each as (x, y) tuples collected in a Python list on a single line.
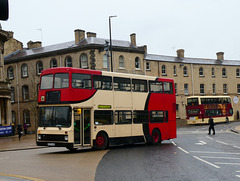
[(111, 40)]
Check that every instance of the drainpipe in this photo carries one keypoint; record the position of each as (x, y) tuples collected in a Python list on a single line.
[(18, 107)]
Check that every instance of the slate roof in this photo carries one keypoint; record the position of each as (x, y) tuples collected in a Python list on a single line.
[(162, 58), (68, 47)]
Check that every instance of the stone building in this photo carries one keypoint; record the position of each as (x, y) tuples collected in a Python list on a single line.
[(192, 76)]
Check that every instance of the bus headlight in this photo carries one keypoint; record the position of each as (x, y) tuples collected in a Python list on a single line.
[(66, 138), (39, 137)]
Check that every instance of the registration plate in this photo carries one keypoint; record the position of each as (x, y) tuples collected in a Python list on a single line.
[(51, 144)]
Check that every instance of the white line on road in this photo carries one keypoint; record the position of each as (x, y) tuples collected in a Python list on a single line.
[(227, 153), (4, 158), (201, 143), (236, 147), (215, 157), (222, 142), (238, 171), (206, 162), (222, 163), (173, 142), (238, 176), (209, 138), (183, 150)]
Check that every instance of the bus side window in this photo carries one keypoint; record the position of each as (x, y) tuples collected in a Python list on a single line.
[(82, 81), (139, 85), (140, 117), (122, 84), (166, 116), (168, 87), (102, 82), (103, 117), (123, 117), (156, 116), (155, 86)]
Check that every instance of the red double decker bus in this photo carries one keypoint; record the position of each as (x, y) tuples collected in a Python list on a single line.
[(200, 108), (87, 108)]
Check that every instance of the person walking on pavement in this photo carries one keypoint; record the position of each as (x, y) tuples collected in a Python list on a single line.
[(25, 128), (211, 125), (19, 129)]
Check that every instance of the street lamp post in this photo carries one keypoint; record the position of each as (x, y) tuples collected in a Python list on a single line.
[(111, 40)]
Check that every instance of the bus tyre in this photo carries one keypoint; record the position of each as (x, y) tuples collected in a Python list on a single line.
[(71, 149), (156, 137), (101, 141)]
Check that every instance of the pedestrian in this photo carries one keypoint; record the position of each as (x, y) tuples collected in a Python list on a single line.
[(25, 128), (211, 125), (19, 129)]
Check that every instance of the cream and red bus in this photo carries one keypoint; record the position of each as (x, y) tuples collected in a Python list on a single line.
[(200, 108), (94, 109)]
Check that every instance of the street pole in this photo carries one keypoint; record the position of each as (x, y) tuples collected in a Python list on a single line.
[(111, 40)]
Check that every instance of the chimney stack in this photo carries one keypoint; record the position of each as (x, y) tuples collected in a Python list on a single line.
[(133, 39), (36, 44), (79, 35), (180, 53), (91, 34), (220, 56)]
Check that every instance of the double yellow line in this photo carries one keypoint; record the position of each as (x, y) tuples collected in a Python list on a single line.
[(20, 176)]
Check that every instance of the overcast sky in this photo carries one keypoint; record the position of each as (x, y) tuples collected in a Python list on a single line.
[(200, 27)]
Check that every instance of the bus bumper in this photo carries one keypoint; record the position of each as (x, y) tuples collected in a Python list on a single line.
[(54, 144)]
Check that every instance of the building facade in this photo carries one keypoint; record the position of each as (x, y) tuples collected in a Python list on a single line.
[(192, 76)]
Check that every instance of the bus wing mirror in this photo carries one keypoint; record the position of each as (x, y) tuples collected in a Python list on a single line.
[(3, 9)]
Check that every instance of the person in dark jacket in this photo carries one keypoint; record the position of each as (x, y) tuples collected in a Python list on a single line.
[(211, 125), (19, 129)]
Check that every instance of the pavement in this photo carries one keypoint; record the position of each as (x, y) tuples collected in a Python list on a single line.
[(236, 129)]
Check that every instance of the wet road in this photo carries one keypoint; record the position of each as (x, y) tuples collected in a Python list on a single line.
[(194, 155)]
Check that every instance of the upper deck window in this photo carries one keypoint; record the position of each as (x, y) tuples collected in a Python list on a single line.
[(61, 81), (47, 81), (102, 82), (122, 84), (168, 87), (82, 81), (156, 86), (192, 101), (139, 85)]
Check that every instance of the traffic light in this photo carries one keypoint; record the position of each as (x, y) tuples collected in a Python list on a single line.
[(106, 46)]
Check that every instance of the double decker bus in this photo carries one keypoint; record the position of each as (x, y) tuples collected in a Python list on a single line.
[(200, 108), (81, 108)]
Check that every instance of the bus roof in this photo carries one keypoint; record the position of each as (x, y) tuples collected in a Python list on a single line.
[(208, 97)]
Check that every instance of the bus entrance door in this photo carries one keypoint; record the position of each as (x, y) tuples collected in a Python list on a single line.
[(82, 127)]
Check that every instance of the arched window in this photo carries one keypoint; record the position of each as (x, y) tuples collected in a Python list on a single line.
[(83, 61), (68, 61), (185, 73), (121, 62), (201, 73), (39, 67), (53, 63), (105, 63), (174, 70), (137, 63), (10, 74), (164, 71), (25, 93), (237, 73), (224, 72), (24, 70)]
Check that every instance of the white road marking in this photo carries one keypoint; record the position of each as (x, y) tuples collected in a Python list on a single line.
[(222, 142), (206, 162), (238, 176), (201, 143), (227, 153), (222, 163), (183, 150), (4, 158), (173, 142), (237, 171), (236, 147), (215, 157), (209, 138)]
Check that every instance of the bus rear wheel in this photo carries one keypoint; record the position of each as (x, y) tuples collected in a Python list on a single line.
[(101, 141), (156, 137)]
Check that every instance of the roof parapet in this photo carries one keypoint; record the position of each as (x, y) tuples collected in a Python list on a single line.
[(180, 53), (220, 56)]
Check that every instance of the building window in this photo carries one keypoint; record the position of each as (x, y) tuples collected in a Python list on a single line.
[(39, 67), (201, 73), (174, 70), (237, 73), (224, 73), (185, 73), (25, 93), (175, 85), (68, 61), (202, 91), (13, 117), (12, 94), (137, 63), (224, 88), (105, 61), (238, 88), (121, 62), (10, 73), (53, 63), (164, 71), (214, 88), (24, 70), (84, 61), (26, 117), (148, 66), (213, 72), (186, 89)]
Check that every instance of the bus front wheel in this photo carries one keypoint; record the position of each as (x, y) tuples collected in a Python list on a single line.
[(101, 141), (156, 137)]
